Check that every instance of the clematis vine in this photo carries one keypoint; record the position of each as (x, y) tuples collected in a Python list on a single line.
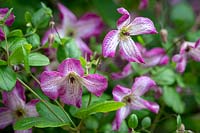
[(87, 26), (16, 107), (67, 82), (9, 21), (132, 99), (153, 57), (122, 36), (187, 50)]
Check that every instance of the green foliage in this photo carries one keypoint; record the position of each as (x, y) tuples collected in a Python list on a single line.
[(178, 121), (146, 122), (37, 59), (34, 40), (7, 78)]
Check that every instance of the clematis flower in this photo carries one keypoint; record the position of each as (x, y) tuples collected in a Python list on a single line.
[(2, 36), (67, 82), (88, 25), (153, 57), (187, 50), (143, 4), (16, 107), (133, 100), (122, 36)]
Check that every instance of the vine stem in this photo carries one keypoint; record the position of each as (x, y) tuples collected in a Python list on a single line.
[(7, 49), (65, 113), (24, 84)]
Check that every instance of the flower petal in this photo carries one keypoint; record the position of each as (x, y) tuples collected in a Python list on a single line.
[(195, 52), (9, 21), (24, 131), (181, 61), (119, 92), (121, 114), (143, 4), (141, 25), (129, 50), (89, 25), (6, 117), (110, 43), (31, 109), (142, 85), (127, 70), (70, 65), (140, 103), (86, 51), (95, 83), (73, 94), (124, 19), (51, 83), (2, 36)]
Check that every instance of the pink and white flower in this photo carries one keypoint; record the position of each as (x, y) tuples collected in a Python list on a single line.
[(88, 25), (16, 107), (122, 36), (67, 82), (132, 99), (187, 50)]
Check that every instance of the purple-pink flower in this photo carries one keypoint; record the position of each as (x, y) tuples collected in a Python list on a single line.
[(88, 25), (16, 107), (132, 99), (153, 57), (122, 36), (143, 4), (2, 36), (67, 82), (187, 50)]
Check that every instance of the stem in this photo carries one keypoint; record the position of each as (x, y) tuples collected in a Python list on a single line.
[(35, 78), (40, 99), (7, 49), (90, 99), (65, 113)]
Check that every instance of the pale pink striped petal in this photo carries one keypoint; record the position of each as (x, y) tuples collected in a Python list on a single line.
[(119, 92), (89, 25), (141, 25), (121, 114), (86, 51), (110, 43), (127, 70), (129, 50), (51, 83), (142, 85), (181, 61), (70, 65), (124, 19), (24, 131), (31, 109), (95, 83), (6, 117)]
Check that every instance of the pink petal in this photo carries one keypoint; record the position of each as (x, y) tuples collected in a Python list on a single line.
[(124, 19), (51, 83), (86, 51), (185, 46), (70, 65), (9, 21), (181, 61), (121, 114), (73, 94), (129, 50), (143, 4), (110, 43), (119, 92), (24, 131), (89, 25), (2, 36), (140, 103), (95, 83), (31, 109), (197, 43), (141, 25), (6, 117), (194, 53), (127, 70), (142, 85)]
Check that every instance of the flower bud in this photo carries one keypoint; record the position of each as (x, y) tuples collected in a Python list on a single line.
[(164, 35), (52, 24), (133, 121), (51, 38)]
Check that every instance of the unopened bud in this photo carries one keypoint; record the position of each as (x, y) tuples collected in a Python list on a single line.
[(52, 24), (28, 25), (51, 39), (164, 35), (181, 129)]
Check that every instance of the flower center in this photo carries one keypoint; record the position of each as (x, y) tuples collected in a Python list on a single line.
[(19, 113), (73, 78), (187, 49), (123, 33), (128, 99)]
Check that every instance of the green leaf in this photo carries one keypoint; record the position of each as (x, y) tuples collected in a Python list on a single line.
[(102, 107), (41, 18), (40, 122), (173, 99), (7, 78), (164, 76), (178, 121), (146, 122), (133, 121), (68, 50), (16, 33), (16, 42), (45, 112), (34, 40), (37, 59), (182, 14), (3, 63)]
